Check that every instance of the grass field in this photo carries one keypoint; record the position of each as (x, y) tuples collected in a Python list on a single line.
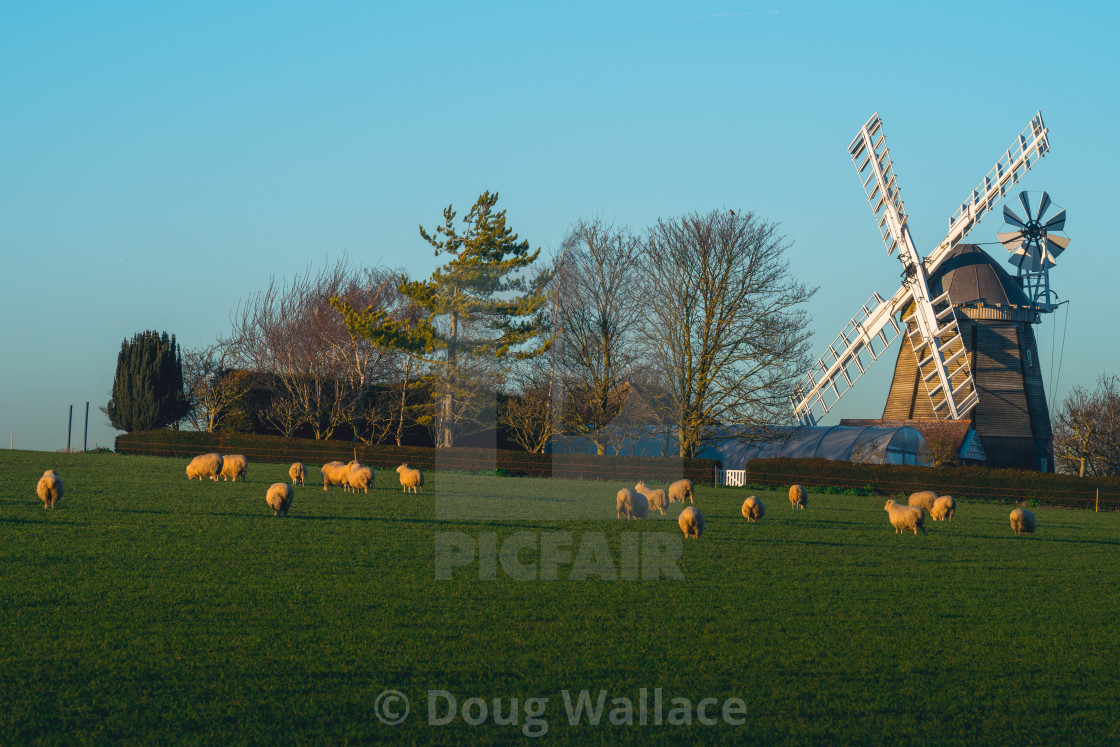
[(147, 609)]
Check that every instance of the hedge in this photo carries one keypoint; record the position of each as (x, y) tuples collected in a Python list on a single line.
[(977, 483), (260, 448)]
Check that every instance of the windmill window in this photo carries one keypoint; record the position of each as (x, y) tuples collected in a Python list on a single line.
[(1030, 361)]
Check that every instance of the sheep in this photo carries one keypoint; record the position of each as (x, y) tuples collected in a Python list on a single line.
[(50, 488), (205, 465), (691, 522), (943, 508), (1022, 522), (279, 498), (360, 478), (334, 473), (234, 466), (798, 498), (923, 499), (631, 504), (350, 466), (680, 490), (753, 509), (657, 499), (298, 473), (410, 478), (906, 518)]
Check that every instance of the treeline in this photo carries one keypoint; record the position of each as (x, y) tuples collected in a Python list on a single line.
[(617, 340)]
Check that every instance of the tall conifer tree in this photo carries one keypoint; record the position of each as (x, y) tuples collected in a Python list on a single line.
[(148, 386), (478, 304)]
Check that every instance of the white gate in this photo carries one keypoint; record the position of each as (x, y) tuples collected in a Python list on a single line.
[(732, 478)]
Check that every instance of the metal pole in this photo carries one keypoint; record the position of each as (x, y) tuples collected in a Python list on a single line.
[(85, 433), (69, 427)]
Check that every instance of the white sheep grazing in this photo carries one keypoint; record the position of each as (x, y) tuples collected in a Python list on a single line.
[(691, 522), (334, 473), (657, 499), (798, 498), (352, 465), (360, 478), (631, 504), (680, 490), (753, 509), (234, 466), (205, 465), (50, 488), (906, 518), (279, 498), (298, 473), (410, 478), (1022, 522), (923, 499), (943, 508)]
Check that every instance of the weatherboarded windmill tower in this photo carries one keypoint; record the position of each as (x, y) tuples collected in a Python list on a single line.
[(969, 352)]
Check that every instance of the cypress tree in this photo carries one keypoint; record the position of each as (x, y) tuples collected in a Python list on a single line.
[(148, 386)]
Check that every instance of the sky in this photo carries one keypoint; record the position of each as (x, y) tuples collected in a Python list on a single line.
[(159, 162)]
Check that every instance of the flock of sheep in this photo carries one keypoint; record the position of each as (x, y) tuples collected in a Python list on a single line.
[(911, 518), (637, 503), (350, 476), (631, 504)]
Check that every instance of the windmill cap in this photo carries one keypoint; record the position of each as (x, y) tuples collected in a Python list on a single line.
[(973, 278)]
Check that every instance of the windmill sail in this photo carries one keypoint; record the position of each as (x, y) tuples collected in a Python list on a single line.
[(941, 351)]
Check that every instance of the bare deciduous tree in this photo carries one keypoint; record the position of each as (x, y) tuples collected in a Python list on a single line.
[(942, 444), (724, 322), (526, 411), (402, 400), (599, 304), (1086, 429), (320, 373), (213, 388)]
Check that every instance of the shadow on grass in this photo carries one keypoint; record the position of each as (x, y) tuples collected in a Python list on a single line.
[(1009, 537), (44, 520), (1064, 541)]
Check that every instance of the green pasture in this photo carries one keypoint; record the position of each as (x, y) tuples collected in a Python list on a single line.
[(150, 610)]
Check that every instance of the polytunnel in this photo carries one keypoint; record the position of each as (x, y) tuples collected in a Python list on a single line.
[(866, 444)]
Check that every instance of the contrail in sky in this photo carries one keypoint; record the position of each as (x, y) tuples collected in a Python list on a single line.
[(744, 13)]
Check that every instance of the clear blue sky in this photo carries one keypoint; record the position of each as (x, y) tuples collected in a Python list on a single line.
[(159, 161)]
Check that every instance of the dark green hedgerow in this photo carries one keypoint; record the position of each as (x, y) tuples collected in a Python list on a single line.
[(974, 483), (277, 449)]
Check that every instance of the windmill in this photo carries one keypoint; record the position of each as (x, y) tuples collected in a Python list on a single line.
[(947, 307)]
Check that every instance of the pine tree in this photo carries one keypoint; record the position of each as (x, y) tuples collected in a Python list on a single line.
[(148, 386), (478, 305)]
